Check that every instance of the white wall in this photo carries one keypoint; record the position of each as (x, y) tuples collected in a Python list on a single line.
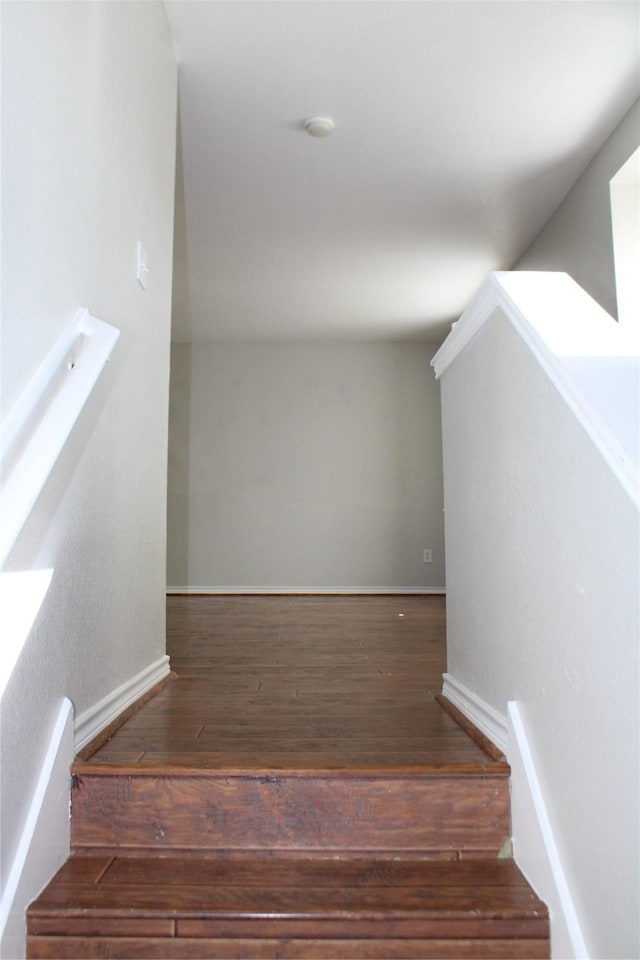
[(542, 581), (304, 465), (577, 239), (625, 223), (88, 131)]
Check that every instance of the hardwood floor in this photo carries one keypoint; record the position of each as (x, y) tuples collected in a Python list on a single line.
[(287, 683), (294, 791), (279, 908)]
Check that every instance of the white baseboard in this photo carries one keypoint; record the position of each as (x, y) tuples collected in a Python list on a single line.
[(320, 591), (96, 718), (488, 720), (45, 839), (535, 849)]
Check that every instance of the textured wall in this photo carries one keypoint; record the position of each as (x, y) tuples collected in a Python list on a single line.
[(304, 465), (89, 120), (542, 583)]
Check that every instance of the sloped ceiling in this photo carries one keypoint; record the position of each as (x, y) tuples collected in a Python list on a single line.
[(459, 127)]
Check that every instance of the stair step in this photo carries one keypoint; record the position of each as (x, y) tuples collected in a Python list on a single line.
[(287, 907), (296, 795), (465, 812)]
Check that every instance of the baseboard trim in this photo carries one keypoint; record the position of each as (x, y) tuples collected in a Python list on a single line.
[(535, 848), (470, 729), (488, 720), (45, 839), (105, 734), (306, 591), (90, 723)]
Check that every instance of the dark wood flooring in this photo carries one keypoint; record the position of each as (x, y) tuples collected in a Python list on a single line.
[(300, 683), (318, 908), (294, 791)]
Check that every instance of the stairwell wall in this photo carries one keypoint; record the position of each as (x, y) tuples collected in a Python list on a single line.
[(577, 239), (542, 552), (88, 131), (305, 466)]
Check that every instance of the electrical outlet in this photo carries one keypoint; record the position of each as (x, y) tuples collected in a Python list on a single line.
[(426, 556)]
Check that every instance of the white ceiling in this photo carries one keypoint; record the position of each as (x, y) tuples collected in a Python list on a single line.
[(460, 126)]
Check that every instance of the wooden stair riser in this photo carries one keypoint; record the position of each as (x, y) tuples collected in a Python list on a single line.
[(277, 928), (81, 948), (183, 812)]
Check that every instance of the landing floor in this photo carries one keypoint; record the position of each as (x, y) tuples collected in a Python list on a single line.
[(300, 684)]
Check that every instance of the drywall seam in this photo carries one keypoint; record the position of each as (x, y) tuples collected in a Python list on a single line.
[(489, 721), (45, 839), (338, 591), (535, 849), (96, 718)]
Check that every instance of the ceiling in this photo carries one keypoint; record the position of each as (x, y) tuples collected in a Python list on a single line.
[(459, 127)]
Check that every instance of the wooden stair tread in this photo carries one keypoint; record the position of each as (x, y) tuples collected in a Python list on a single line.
[(307, 908), (311, 908), (433, 892), (321, 870), (293, 731), (212, 766), (269, 764)]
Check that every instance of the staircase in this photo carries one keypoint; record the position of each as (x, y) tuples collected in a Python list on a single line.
[(303, 823), (199, 864)]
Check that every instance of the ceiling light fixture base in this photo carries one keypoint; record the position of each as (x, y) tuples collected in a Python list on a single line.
[(319, 126)]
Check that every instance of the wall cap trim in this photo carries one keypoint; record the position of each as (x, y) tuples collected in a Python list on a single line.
[(541, 863), (38, 425), (558, 298), (45, 837)]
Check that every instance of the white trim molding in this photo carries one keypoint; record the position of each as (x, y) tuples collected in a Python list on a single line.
[(561, 323), (534, 845), (311, 591), (37, 427), (96, 718), (45, 839), (488, 720), (468, 326)]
